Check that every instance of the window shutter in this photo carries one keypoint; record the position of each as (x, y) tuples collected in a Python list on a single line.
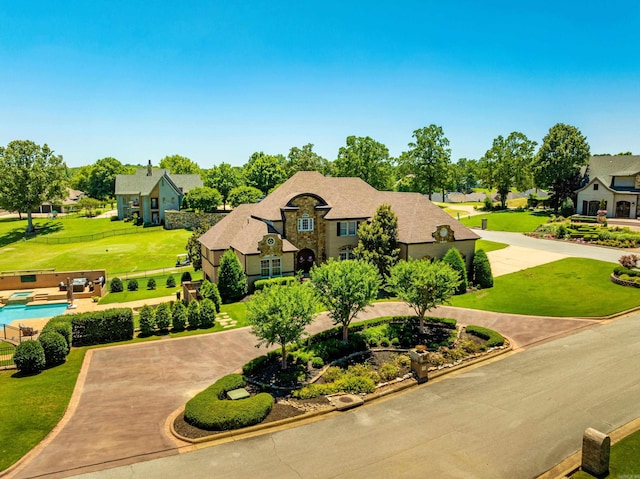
[(338, 232)]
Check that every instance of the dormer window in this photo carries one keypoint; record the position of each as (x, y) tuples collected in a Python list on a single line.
[(305, 223)]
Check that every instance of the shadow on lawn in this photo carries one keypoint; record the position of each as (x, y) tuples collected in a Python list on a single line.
[(19, 233)]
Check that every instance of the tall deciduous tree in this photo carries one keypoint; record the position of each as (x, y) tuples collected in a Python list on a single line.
[(508, 164), (280, 314), (345, 288), (428, 159), (102, 178), (179, 165), (423, 285), (223, 178), (378, 240), (557, 164), (265, 171), (30, 175), (244, 194), (232, 282), (366, 159), (305, 159), (203, 198)]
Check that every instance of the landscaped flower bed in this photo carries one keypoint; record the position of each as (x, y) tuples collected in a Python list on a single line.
[(576, 230), (376, 360)]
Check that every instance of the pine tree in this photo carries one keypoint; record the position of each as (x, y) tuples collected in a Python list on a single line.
[(454, 259), (232, 282), (378, 240)]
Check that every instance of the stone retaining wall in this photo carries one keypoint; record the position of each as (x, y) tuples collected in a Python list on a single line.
[(174, 220)]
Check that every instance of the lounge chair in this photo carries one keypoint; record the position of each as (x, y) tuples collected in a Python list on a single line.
[(27, 330)]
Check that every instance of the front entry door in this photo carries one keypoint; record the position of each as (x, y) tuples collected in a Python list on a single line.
[(305, 260), (622, 209)]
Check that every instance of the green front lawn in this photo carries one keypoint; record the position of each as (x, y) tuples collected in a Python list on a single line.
[(31, 406), (624, 460), (487, 245), (144, 293), (512, 221), (570, 287)]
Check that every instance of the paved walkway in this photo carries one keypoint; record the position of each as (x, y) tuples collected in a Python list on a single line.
[(126, 393)]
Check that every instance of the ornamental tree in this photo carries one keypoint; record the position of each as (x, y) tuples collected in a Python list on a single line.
[(345, 288), (30, 175), (423, 285), (280, 314), (454, 258)]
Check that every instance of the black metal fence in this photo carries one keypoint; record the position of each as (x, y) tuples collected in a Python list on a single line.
[(6, 356)]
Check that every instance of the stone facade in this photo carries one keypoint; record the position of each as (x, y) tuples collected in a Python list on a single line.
[(307, 206), (174, 220)]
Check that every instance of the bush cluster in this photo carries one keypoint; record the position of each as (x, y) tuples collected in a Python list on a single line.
[(55, 348), (493, 338), (99, 327), (116, 285), (210, 411), (29, 357), (265, 283), (62, 326)]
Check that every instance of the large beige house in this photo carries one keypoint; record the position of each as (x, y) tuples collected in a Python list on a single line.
[(311, 218)]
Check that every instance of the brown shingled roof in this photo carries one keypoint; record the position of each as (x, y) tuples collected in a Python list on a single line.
[(240, 231), (346, 198)]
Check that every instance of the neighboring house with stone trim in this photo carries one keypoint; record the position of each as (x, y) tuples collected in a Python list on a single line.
[(311, 218), (149, 192), (614, 179)]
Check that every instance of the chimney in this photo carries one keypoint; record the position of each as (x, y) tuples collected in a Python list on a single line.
[(149, 169)]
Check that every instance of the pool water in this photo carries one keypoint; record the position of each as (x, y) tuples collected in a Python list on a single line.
[(16, 312)]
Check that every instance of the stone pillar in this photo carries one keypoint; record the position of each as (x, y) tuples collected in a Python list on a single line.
[(596, 447), (420, 365)]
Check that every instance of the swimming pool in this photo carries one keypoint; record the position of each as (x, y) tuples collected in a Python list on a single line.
[(21, 294), (15, 312)]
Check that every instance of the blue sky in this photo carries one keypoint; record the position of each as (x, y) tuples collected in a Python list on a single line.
[(216, 81)]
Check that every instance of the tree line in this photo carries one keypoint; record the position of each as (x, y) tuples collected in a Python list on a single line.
[(31, 174)]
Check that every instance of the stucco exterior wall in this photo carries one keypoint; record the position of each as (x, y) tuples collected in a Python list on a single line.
[(335, 243), (439, 249), (589, 194)]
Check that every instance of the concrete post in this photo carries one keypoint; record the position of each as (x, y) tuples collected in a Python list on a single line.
[(596, 447)]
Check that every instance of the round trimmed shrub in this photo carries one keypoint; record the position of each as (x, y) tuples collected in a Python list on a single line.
[(55, 348), (210, 411), (171, 282), (116, 285), (29, 357), (186, 276), (132, 284), (179, 316), (147, 320), (151, 284), (163, 316), (207, 313), (60, 325), (193, 313)]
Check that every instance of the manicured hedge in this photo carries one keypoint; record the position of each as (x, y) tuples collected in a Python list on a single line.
[(99, 327), (209, 410), (265, 283), (60, 325), (620, 270), (493, 337), (29, 357), (55, 348)]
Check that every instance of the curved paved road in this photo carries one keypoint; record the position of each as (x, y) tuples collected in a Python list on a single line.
[(513, 418), (129, 391)]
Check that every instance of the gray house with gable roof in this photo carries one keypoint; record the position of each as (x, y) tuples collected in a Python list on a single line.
[(148, 193)]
